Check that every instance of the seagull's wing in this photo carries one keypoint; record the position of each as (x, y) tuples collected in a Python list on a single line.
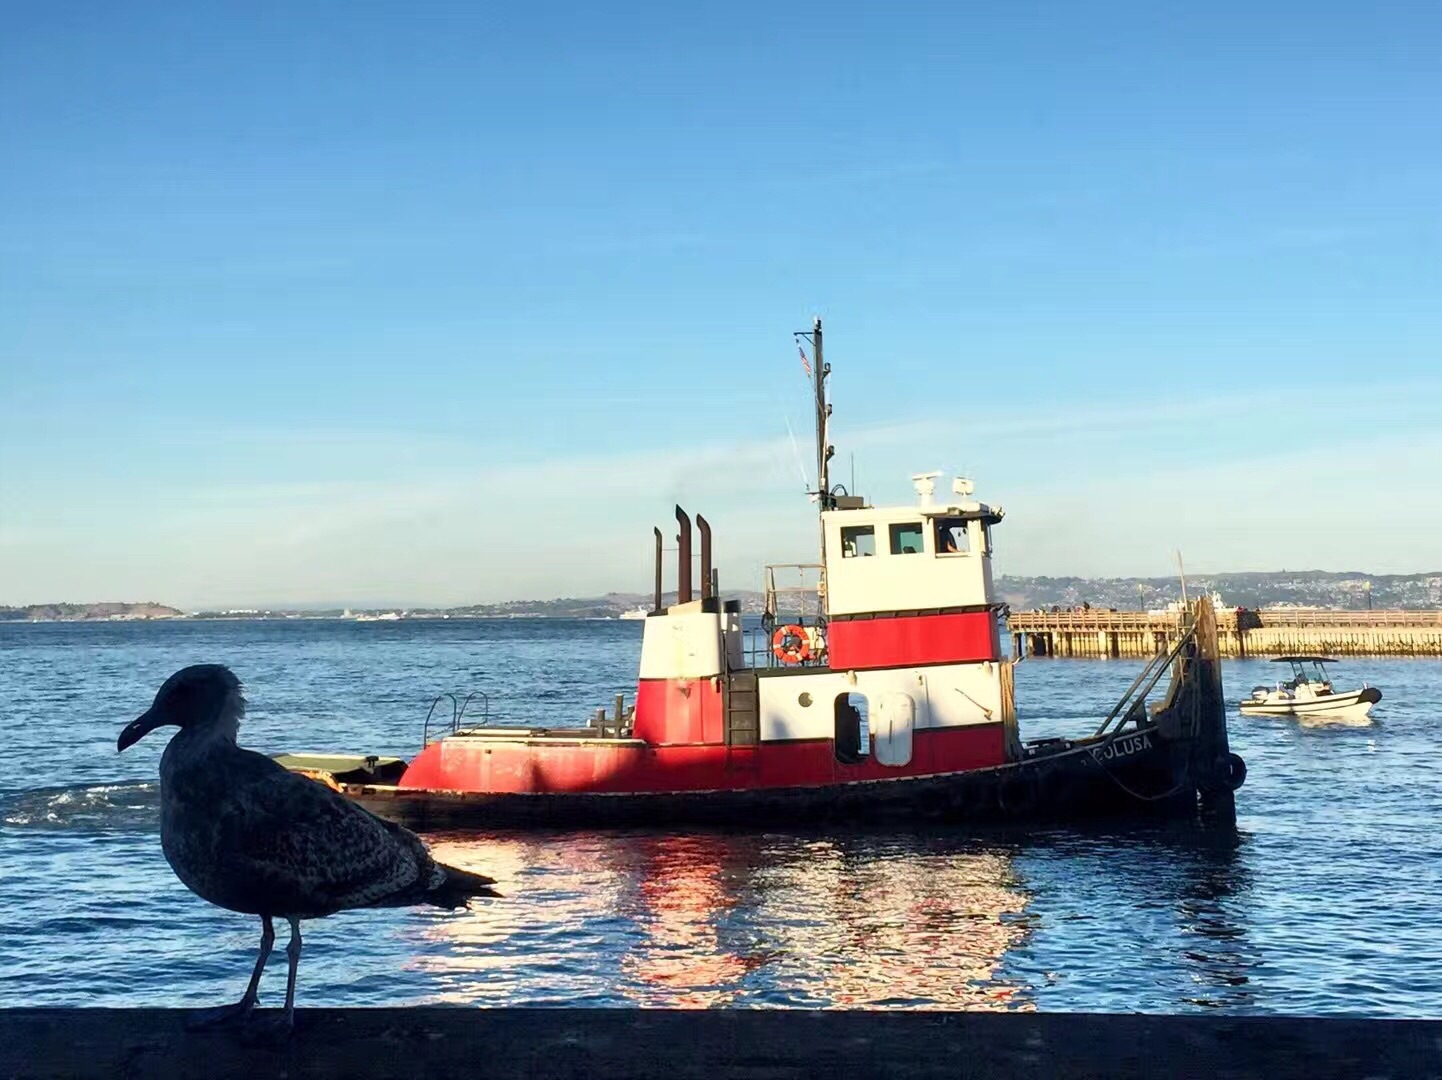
[(302, 849)]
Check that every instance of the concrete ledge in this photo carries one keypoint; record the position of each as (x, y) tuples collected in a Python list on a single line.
[(757, 1044)]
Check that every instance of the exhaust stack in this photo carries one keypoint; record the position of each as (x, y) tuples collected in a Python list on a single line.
[(706, 583), (683, 558)]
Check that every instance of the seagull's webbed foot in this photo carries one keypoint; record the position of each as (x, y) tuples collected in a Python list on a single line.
[(232, 1015), (223, 1016)]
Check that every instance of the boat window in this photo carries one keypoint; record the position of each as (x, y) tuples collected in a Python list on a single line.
[(906, 538), (951, 537), (857, 540), (853, 734), (986, 548)]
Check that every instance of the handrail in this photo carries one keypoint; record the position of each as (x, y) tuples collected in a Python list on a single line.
[(426, 727), (460, 714), (770, 607), (1285, 617), (1030, 621), (1169, 658), (1117, 708), (458, 711)]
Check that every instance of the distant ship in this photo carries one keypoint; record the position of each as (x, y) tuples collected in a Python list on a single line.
[(638, 612)]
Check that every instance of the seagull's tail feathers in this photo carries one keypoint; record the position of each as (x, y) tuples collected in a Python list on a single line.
[(459, 886)]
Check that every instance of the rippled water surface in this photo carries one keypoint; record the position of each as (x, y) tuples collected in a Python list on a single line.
[(1327, 897)]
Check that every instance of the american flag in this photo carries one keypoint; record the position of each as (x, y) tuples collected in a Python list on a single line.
[(805, 363)]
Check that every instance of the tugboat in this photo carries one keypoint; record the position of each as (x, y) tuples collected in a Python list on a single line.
[(1309, 694), (892, 700)]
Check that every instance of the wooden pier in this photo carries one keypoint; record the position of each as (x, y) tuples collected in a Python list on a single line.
[(1242, 632), (716, 1044)]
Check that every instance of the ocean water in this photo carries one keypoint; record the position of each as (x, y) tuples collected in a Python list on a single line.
[(1325, 899)]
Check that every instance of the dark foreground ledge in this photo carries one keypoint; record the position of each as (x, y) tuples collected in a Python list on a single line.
[(758, 1044)]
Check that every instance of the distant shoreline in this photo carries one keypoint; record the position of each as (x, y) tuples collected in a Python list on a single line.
[(1308, 589), (7, 618)]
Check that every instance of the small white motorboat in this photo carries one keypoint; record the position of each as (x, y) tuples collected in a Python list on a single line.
[(1310, 694)]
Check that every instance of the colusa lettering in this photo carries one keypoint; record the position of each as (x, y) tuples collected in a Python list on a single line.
[(1124, 746)]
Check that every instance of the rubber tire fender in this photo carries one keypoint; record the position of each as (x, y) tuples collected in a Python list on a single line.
[(1233, 771)]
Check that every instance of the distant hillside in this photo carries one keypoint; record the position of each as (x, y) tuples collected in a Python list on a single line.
[(1281, 588), (595, 607), (1275, 588), (82, 612)]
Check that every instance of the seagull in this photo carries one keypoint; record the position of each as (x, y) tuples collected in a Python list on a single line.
[(246, 834)]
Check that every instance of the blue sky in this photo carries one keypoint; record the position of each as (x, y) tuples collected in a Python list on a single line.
[(402, 302)]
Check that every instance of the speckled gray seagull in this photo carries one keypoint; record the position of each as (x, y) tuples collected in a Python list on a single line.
[(247, 834)]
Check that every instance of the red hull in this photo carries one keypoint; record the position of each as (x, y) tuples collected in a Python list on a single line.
[(1139, 773), (613, 766)]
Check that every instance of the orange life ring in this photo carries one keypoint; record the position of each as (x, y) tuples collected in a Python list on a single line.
[(791, 644)]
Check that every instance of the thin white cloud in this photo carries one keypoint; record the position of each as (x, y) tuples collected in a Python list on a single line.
[(447, 533)]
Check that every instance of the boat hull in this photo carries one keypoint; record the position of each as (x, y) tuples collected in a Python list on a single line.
[(1136, 773), (1346, 708), (1171, 761)]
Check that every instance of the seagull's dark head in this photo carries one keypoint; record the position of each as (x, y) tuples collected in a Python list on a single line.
[(197, 696)]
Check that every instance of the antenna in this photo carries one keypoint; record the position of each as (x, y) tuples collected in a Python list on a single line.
[(1182, 573)]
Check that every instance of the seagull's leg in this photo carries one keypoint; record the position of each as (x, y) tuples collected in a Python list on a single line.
[(292, 952), (241, 1010), (275, 1030)]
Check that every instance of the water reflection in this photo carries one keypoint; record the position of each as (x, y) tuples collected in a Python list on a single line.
[(862, 923), (551, 919), (705, 920), (1134, 917), (1214, 882), (1141, 918), (682, 894)]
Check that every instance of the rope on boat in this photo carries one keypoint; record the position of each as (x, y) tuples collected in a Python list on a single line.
[(1169, 793)]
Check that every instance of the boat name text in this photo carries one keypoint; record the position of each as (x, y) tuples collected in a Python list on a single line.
[(1125, 746)]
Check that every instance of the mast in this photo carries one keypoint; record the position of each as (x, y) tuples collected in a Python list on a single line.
[(824, 451)]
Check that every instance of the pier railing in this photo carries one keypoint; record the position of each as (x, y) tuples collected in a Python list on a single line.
[(1242, 632), (1291, 617)]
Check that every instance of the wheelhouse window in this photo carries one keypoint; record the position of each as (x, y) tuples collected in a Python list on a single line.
[(857, 541), (853, 734), (951, 537), (906, 538)]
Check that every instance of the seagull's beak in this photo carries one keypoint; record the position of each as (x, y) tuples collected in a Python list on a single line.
[(140, 727)]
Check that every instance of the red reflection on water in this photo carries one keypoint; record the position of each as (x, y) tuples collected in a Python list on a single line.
[(715, 920)]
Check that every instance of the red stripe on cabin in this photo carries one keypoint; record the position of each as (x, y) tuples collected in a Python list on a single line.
[(912, 640), (533, 766)]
